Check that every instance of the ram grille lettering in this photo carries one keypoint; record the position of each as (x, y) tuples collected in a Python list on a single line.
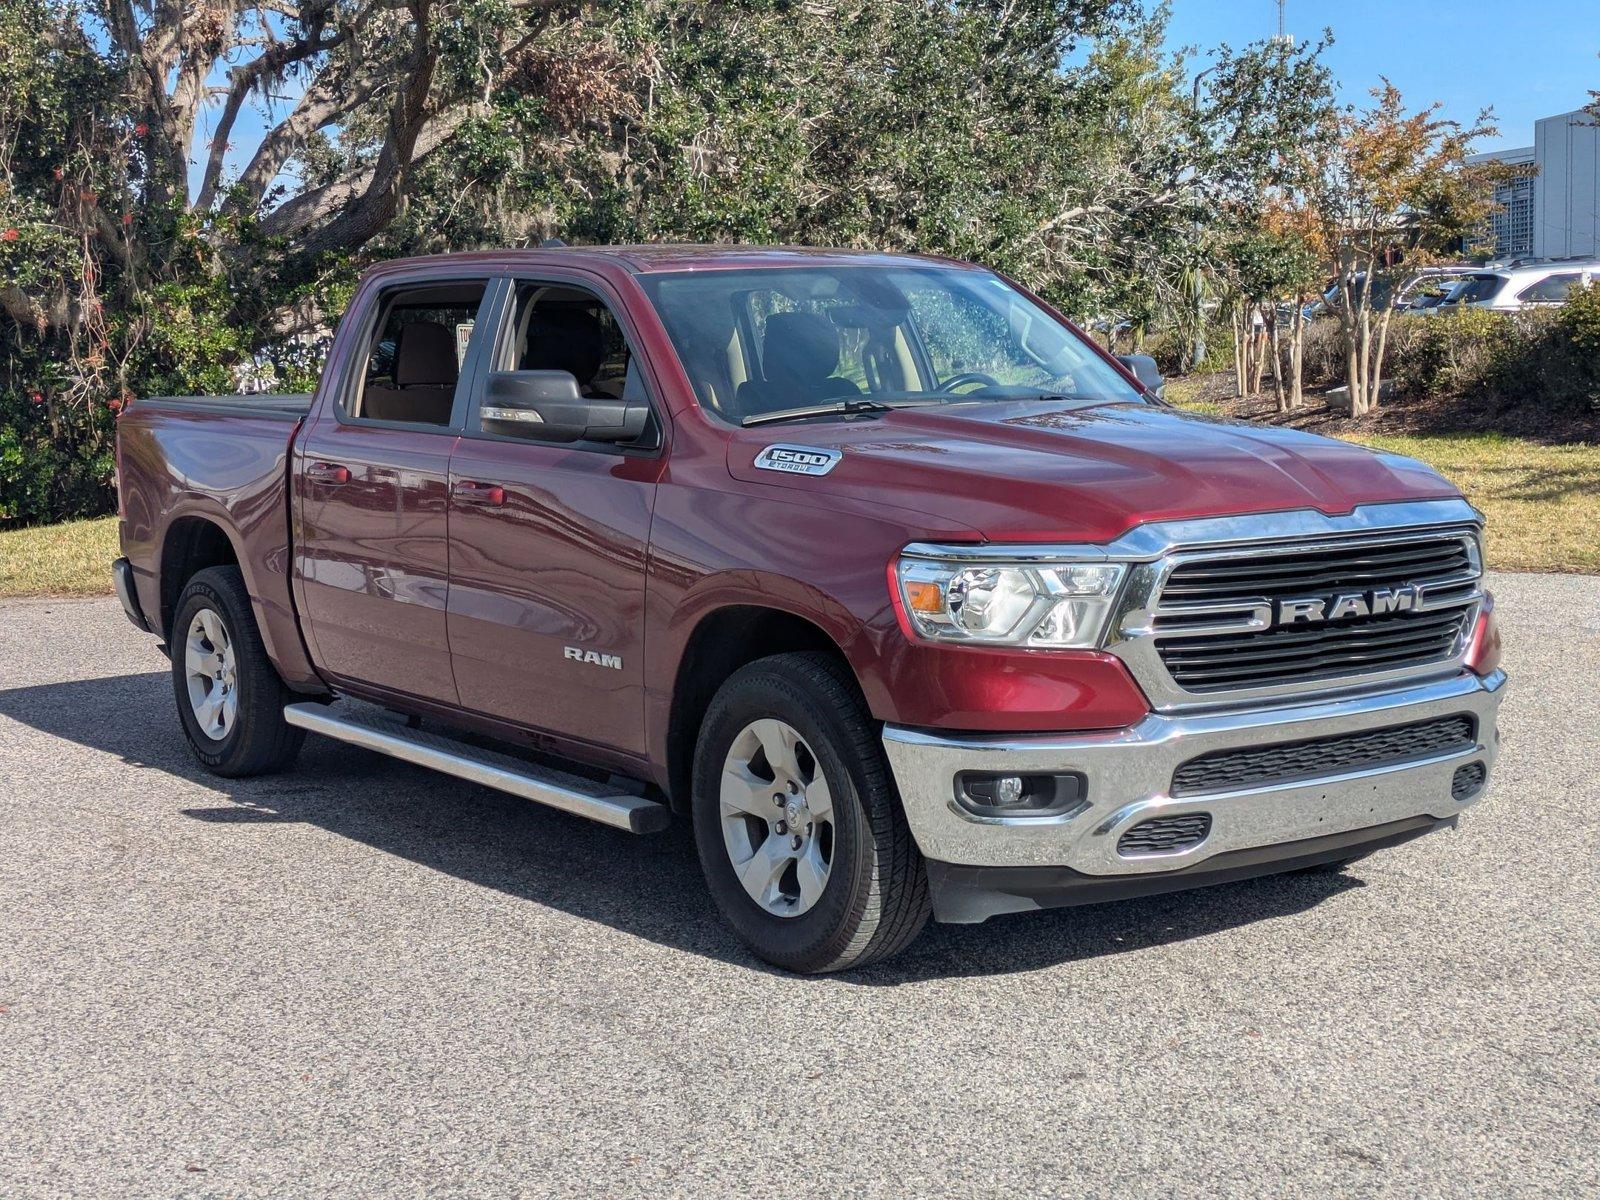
[(1380, 602)]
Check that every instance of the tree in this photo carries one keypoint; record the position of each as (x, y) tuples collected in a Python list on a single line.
[(1399, 194), (1272, 124)]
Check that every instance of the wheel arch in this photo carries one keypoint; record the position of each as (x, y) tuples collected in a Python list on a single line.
[(190, 544), (723, 640)]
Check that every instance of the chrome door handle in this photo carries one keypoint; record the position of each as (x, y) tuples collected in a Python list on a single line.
[(327, 472), (471, 492)]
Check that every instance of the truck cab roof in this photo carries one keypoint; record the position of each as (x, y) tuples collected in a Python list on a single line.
[(652, 258)]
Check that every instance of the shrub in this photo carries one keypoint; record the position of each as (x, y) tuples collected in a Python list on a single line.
[(1546, 359)]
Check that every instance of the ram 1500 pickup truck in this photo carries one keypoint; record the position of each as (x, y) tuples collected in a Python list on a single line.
[(905, 594)]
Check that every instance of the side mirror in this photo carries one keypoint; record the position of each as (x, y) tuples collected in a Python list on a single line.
[(1144, 369), (547, 406)]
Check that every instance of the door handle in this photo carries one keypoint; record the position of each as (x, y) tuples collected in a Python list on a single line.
[(471, 492), (327, 472)]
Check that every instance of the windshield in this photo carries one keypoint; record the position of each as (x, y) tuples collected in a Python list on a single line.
[(761, 343)]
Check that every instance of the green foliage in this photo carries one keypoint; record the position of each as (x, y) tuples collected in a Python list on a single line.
[(1055, 140), (1544, 360)]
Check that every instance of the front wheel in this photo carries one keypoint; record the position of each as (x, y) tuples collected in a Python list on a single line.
[(230, 698), (800, 833)]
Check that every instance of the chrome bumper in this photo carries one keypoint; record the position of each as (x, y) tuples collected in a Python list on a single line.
[(1129, 773)]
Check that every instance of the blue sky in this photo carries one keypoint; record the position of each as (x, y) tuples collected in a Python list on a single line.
[(1526, 58)]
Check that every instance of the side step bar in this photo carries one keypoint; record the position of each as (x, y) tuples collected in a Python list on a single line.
[(570, 793)]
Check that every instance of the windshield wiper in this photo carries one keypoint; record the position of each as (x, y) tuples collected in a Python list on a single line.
[(837, 407)]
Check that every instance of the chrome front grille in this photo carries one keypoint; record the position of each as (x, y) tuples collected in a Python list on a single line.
[(1286, 655), (1225, 620), (1251, 609), (1328, 569)]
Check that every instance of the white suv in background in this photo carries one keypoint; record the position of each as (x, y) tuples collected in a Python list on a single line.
[(1509, 289)]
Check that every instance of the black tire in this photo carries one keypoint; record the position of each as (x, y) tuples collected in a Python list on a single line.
[(875, 900), (259, 741)]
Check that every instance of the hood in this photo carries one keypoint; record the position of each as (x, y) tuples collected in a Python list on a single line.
[(1036, 471)]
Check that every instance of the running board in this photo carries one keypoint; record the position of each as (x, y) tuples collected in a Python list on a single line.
[(570, 793)]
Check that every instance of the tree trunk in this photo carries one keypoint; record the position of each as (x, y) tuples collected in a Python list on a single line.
[(1258, 353), (1277, 359), (1240, 350), (1375, 372), (1297, 354)]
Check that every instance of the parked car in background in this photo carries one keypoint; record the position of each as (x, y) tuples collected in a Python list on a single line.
[(1429, 288), (1511, 289), (908, 597)]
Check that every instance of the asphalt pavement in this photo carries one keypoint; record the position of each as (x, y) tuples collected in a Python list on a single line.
[(362, 979)]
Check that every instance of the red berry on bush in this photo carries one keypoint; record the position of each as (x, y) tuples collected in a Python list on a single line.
[(9, 235)]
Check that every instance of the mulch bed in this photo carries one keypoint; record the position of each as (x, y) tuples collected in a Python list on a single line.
[(1401, 416)]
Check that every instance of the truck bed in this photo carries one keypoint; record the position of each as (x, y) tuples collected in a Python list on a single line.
[(282, 406), (191, 465)]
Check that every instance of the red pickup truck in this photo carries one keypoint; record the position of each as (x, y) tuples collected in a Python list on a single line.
[(910, 598)]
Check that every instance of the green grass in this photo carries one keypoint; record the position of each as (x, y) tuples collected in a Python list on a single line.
[(1542, 501), (73, 559)]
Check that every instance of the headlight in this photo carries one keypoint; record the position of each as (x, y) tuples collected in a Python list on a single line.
[(1023, 603)]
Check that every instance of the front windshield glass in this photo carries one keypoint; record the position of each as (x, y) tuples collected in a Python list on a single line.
[(759, 343)]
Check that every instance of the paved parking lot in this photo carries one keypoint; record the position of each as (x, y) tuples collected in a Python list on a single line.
[(363, 979)]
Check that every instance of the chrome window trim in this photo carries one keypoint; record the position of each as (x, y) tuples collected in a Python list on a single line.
[(1153, 550)]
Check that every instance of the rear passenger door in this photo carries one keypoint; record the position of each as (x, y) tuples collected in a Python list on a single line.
[(548, 541), (372, 483)]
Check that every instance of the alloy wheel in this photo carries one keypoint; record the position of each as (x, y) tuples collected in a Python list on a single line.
[(777, 818), (212, 675)]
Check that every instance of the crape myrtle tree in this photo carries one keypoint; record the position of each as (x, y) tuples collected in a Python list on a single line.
[(1272, 124), (1399, 194)]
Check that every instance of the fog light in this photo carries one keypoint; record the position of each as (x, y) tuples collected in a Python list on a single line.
[(994, 794)]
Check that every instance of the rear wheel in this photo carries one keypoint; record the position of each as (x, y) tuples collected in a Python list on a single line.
[(801, 837), (230, 698)]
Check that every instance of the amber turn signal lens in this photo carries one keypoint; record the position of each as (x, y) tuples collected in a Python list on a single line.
[(1483, 648), (925, 597)]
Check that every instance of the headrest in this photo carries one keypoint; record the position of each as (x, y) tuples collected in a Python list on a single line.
[(799, 347), (565, 339), (424, 355)]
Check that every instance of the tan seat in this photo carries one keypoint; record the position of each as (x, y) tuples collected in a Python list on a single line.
[(425, 374)]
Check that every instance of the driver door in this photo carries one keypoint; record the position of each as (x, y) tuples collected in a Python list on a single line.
[(548, 541)]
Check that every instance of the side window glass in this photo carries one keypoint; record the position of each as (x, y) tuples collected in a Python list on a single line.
[(559, 328), (416, 354), (1553, 290)]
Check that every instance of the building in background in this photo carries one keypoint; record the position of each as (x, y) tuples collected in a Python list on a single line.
[(1551, 207), (1511, 226)]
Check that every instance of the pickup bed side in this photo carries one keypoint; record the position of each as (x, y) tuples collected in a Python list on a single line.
[(204, 480)]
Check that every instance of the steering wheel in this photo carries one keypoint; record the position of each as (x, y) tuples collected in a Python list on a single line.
[(966, 377)]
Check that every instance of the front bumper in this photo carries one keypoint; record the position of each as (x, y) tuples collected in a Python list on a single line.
[(1129, 776)]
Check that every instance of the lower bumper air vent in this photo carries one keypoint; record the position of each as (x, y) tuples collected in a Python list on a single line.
[(1467, 781), (1163, 835), (1290, 762)]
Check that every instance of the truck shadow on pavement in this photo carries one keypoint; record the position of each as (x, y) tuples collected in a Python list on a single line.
[(649, 887)]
